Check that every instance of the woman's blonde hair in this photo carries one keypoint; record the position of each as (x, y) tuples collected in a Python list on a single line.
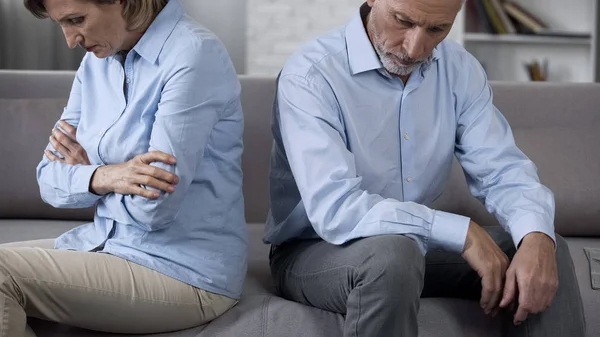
[(137, 13)]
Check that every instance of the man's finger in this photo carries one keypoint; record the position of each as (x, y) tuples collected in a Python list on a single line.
[(510, 288), (524, 303), (157, 156), (69, 129), (520, 316), (487, 293)]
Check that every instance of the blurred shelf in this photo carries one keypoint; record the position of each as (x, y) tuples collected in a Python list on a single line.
[(528, 39)]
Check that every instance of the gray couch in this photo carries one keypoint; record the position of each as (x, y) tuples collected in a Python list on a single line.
[(558, 126)]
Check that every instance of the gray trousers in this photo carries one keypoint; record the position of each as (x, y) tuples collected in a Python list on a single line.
[(377, 283)]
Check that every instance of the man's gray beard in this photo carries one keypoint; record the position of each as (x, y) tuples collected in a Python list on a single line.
[(395, 68)]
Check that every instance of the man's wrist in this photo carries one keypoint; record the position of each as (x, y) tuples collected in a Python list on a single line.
[(537, 238)]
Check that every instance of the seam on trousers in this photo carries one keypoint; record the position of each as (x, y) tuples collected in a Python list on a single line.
[(104, 291), (320, 271), (359, 313), (4, 319), (265, 315), (526, 327)]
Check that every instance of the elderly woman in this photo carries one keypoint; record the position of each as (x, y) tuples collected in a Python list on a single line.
[(152, 136)]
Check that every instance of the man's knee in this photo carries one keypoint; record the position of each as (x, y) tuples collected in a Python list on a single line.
[(563, 256), (392, 262)]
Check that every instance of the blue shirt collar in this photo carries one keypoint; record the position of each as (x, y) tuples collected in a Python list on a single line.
[(153, 40), (361, 54)]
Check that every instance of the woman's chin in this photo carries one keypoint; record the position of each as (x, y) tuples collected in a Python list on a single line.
[(101, 53)]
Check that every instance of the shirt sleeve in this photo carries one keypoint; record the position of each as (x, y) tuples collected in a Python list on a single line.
[(63, 185), (324, 169), (202, 90), (498, 172)]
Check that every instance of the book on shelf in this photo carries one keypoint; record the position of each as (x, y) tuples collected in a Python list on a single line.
[(481, 17), (494, 17), (523, 17), (506, 22), (508, 17)]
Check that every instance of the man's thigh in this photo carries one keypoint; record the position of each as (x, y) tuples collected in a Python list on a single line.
[(320, 274), (449, 275), (102, 292)]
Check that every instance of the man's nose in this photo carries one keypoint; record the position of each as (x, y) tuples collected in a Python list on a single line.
[(415, 43)]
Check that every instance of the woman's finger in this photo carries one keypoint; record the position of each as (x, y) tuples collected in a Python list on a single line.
[(69, 129), (59, 147), (53, 157), (65, 140), (154, 183), (158, 173), (138, 190)]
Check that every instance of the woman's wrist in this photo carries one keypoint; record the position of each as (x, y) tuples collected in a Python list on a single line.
[(98, 182)]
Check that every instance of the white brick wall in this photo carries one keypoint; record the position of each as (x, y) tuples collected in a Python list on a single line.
[(277, 28)]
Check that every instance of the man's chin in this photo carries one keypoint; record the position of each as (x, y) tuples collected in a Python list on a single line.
[(401, 70)]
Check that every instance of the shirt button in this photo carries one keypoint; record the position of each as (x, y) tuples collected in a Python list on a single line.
[(406, 136), (409, 180)]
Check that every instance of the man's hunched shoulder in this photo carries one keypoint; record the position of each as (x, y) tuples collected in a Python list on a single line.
[(310, 55), (455, 56)]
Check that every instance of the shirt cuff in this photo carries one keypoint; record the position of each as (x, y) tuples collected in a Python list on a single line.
[(531, 223), (449, 231), (80, 180)]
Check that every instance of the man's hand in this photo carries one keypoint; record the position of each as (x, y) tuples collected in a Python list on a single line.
[(533, 274), (67, 146), (490, 262), (128, 177)]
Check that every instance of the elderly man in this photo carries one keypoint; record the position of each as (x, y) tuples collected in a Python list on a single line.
[(367, 120)]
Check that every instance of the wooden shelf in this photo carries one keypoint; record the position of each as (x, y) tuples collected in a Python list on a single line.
[(527, 39)]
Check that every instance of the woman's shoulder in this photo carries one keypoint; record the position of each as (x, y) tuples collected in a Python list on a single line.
[(190, 42)]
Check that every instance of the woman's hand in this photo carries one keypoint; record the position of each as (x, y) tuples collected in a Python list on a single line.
[(128, 177), (67, 145)]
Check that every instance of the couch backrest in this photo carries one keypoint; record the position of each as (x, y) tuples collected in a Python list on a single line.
[(558, 127), (30, 104), (555, 124)]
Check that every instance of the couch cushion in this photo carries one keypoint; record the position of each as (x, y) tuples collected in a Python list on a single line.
[(25, 230), (591, 298), (269, 316), (260, 312)]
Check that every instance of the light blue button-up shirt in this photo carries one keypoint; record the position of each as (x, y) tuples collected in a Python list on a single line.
[(176, 92), (357, 153)]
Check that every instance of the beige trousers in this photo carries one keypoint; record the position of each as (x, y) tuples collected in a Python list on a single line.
[(95, 291)]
